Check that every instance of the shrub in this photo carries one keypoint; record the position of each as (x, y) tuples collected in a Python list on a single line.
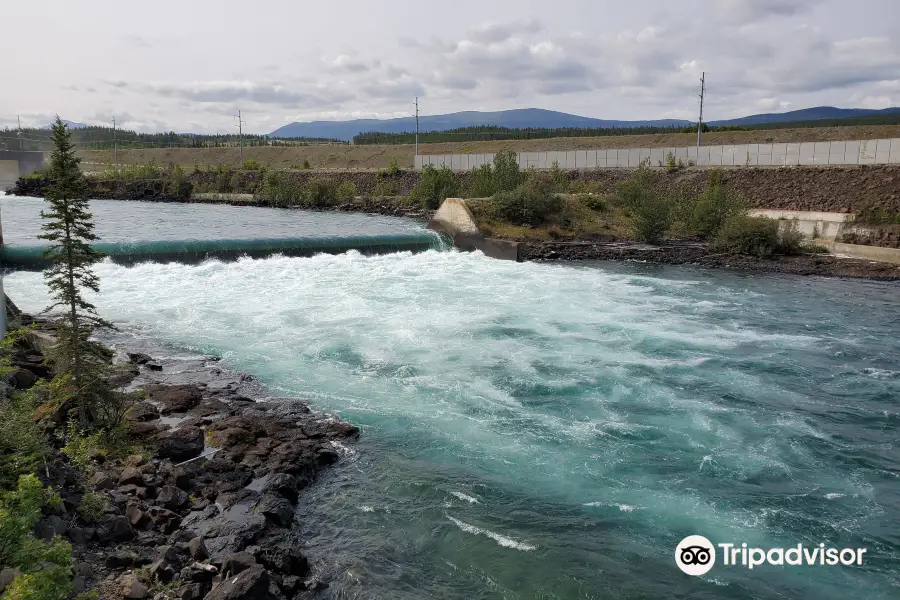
[(558, 178), (529, 204), (434, 186), (673, 164), (594, 202), (251, 165), (346, 192), (790, 240), (224, 180), (650, 210), (756, 236), (318, 193), (21, 445), (92, 506), (306, 164), (280, 189), (507, 175), (177, 185), (46, 568), (81, 448), (482, 183), (715, 206), (393, 168)]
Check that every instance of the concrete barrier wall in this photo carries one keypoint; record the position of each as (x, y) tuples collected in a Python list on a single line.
[(865, 152), (873, 253), (14, 164), (813, 224)]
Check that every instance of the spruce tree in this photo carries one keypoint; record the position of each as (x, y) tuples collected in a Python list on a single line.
[(70, 230)]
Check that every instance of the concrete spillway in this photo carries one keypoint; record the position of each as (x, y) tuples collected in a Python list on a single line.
[(136, 232), (193, 251)]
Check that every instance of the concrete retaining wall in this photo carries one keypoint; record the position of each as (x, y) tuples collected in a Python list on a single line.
[(820, 226), (873, 253), (14, 164), (454, 217), (863, 152), (813, 224)]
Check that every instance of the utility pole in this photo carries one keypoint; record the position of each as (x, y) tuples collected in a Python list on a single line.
[(240, 126), (700, 120), (417, 126), (19, 134), (115, 145)]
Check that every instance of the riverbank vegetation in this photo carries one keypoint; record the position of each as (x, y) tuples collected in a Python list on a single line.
[(546, 205), (57, 408)]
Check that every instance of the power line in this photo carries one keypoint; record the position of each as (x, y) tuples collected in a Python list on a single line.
[(700, 120), (115, 144), (240, 126)]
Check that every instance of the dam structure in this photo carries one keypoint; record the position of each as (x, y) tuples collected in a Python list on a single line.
[(132, 232)]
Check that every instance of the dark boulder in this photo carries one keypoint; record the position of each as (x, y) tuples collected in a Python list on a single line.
[(175, 398), (231, 437), (119, 559), (134, 490), (164, 520), (171, 497), (277, 509), (252, 584), (143, 411), (115, 529), (132, 589), (101, 481), (192, 591), (137, 517), (131, 476), (21, 379), (144, 429), (76, 536), (285, 558), (181, 444), (197, 549), (166, 566), (139, 358), (284, 484), (237, 562)]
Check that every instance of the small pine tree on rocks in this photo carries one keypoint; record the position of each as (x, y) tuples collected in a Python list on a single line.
[(69, 228)]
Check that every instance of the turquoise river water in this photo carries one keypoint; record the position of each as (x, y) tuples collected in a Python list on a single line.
[(554, 430)]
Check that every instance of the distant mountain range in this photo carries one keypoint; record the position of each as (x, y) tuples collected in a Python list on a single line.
[(539, 118), (71, 124), (817, 113)]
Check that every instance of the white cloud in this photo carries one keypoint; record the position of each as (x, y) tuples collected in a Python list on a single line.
[(338, 61)]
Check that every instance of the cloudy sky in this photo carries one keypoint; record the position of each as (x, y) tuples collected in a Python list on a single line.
[(189, 65)]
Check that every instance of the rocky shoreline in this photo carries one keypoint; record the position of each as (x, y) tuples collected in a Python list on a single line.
[(208, 510), (696, 253)]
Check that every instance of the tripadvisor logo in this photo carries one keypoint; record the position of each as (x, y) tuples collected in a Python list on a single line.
[(696, 555)]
